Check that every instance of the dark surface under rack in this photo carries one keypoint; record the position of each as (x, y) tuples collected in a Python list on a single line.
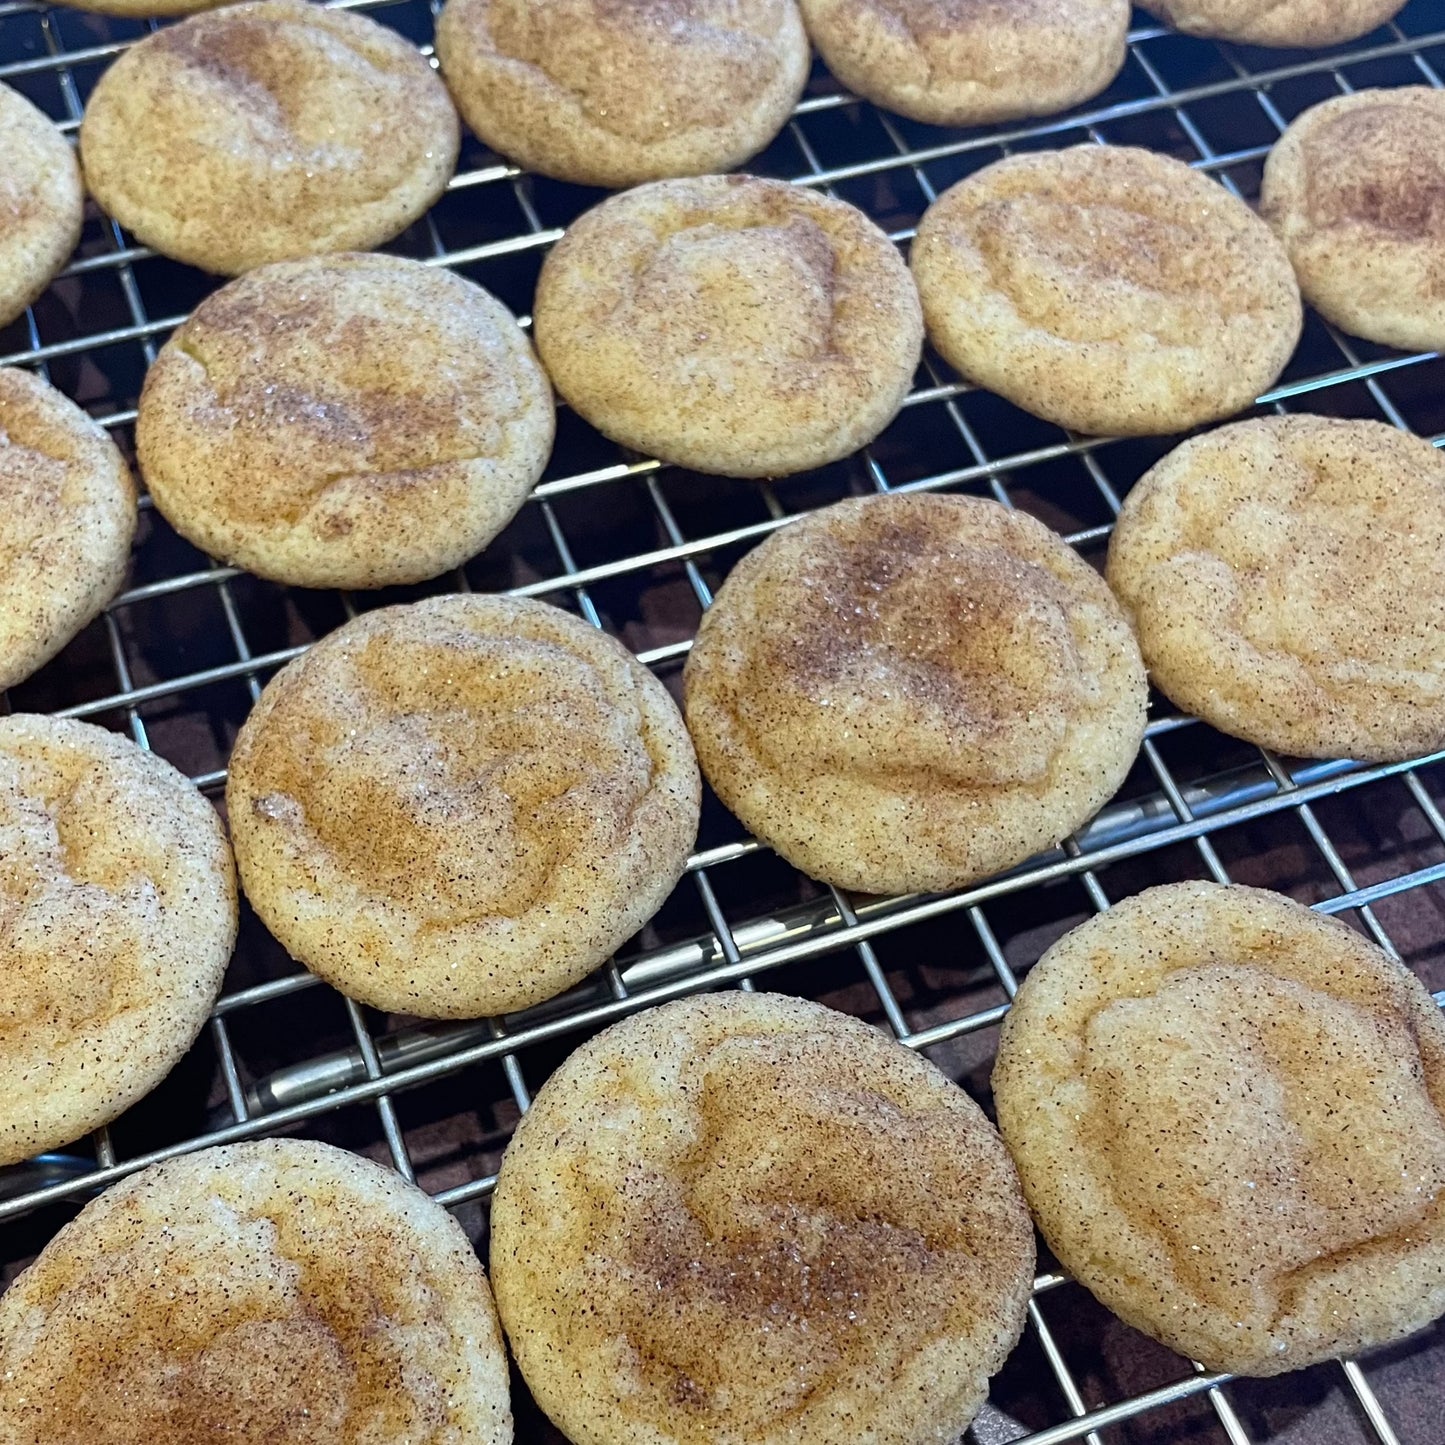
[(637, 548)]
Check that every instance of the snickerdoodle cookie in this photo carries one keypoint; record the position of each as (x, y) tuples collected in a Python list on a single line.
[(1227, 1114), (1284, 579), (729, 324), (462, 806), (748, 1218), (266, 132), (345, 421), (281, 1290), (910, 692), (1356, 191), (609, 94), (1276, 22), (117, 916), (972, 63), (1107, 289), (41, 203), (67, 518)]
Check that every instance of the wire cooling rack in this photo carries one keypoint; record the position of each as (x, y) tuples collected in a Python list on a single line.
[(638, 548)]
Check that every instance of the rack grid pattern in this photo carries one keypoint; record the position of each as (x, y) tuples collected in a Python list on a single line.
[(638, 548)]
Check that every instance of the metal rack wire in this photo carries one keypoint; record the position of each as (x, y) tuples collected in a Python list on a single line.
[(181, 654)]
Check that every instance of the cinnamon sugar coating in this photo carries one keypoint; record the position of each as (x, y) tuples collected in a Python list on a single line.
[(910, 692), (42, 202), (261, 1292), (462, 806), (1355, 190), (268, 131), (1283, 577), (745, 1217), (617, 92), (117, 917), (345, 421), (1108, 289), (66, 525), (1227, 1114), (1276, 22), (971, 62), (729, 324)]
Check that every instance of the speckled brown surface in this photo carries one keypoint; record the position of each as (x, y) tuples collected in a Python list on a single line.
[(271, 1291), (1283, 575), (971, 62), (616, 92), (67, 520), (748, 1219), (1227, 1113), (345, 421), (40, 203), (1356, 191), (1107, 289), (117, 918), (912, 692), (730, 324), (268, 131), (1277, 22), (637, 545), (461, 807)]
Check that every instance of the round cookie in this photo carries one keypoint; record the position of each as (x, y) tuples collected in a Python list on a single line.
[(611, 95), (266, 132), (745, 1217), (909, 692), (733, 325), (66, 524), (1226, 1112), (42, 202), (345, 421), (461, 807), (1110, 290), (1355, 190), (117, 917), (975, 64), (1283, 576), (279, 1290), (1276, 22)]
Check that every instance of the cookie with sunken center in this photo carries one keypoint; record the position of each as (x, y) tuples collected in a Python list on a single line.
[(971, 62), (1355, 190), (909, 692), (461, 807), (1282, 576), (1107, 289), (617, 92), (42, 201), (733, 325), (1227, 1114), (1288, 23), (345, 421), (117, 918), (66, 527), (258, 1292), (268, 131), (746, 1217)]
